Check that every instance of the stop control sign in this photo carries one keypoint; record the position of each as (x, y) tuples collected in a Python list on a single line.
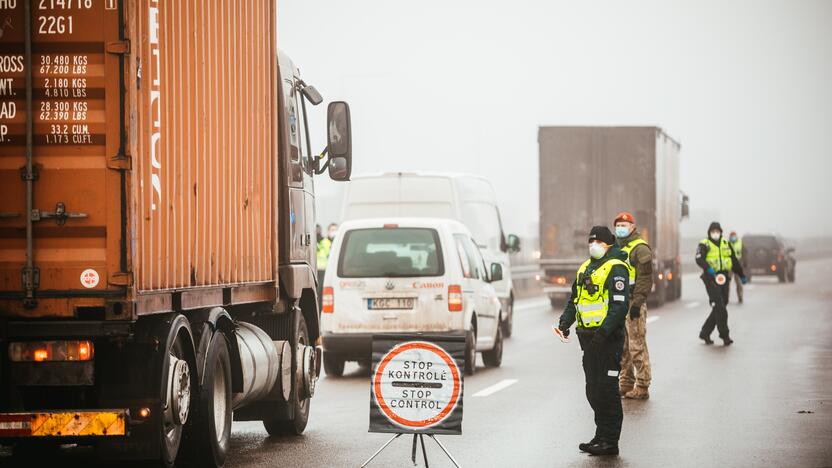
[(417, 387)]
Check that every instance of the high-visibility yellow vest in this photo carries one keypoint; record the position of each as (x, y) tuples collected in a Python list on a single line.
[(719, 258), (591, 309), (737, 248), (324, 246), (629, 248)]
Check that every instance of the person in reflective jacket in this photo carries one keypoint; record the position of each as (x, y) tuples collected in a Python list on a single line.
[(716, 257), (599, 304)]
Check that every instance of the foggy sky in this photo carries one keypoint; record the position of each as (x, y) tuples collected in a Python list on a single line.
[(746, 87)]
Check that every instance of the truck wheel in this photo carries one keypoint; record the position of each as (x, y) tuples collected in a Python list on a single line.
[(494, 356), (470, 352), (333, 364), (176, 378), (213, 424), (296, 425), (507, 324)]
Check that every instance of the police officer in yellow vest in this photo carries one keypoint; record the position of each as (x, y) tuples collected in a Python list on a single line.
[(599, 302), (716, 257), (635, 364), (322, 255)]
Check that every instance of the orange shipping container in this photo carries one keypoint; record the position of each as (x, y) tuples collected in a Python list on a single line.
[(154, 154)]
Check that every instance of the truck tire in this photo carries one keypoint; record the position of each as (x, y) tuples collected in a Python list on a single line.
[(494, 356), (333, 364), (212, 427), (170, 431), (507, 324), (470, 352), (296, 425)]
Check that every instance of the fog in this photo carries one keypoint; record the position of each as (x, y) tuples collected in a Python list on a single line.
[(745, 86)]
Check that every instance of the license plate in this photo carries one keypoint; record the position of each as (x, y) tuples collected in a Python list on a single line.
[(391, 303)]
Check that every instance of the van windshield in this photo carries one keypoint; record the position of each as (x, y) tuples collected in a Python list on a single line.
[(390, 252)]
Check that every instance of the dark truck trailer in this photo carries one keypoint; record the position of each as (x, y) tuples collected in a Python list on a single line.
[(587, 176), (157, 254)]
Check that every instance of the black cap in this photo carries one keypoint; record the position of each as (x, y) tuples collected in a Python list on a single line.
[(603, 234), (714, 225)]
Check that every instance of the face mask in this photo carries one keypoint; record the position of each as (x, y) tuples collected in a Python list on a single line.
[(597, 250), (621, 231), (715, 235), (732, 239), (331, 234)]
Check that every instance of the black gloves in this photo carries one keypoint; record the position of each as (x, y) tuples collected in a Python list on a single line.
[(635, 312), (564, 330)]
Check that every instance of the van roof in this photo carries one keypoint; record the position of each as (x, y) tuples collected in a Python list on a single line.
[(436, 223)]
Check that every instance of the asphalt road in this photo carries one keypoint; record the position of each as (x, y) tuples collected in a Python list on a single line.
[(764, 401)]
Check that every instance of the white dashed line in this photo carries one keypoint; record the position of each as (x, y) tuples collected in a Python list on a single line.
[(496, 388), (691, 305), (652, 318)]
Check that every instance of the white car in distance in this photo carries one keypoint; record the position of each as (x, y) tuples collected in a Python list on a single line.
[(403, 275)]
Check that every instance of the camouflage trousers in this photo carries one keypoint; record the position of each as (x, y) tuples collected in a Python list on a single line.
[(635, 361)]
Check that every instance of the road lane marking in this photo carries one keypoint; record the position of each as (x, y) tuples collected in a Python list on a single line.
[(496, 388), (691, 305), (652, 318)]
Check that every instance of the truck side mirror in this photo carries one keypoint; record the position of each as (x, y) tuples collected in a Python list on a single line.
[(685, 206), (339, 140), (513, 243), (496, 272)]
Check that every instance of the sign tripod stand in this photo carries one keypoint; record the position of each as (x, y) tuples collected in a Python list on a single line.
[(417, 438)]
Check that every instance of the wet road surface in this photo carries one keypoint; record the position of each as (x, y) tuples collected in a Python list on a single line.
[(764, 401)]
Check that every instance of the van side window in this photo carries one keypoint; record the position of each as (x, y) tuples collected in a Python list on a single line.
[(471, 265), (463, 258)]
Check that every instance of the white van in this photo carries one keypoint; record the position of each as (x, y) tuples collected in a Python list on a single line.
[(401, 275), (468, 199)]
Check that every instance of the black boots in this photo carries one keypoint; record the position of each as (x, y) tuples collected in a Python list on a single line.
[(706, 338), (585, 446), (601, 447), (726, 341)]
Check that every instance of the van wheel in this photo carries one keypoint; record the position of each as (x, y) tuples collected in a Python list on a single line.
[(494, 356), (296, 425), (507, 324), (470, 352), (213, 423), (333, 364)]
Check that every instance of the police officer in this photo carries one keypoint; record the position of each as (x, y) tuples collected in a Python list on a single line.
[(736, 243), (635, 363), (600, 297), (717, 259), (322, 256)]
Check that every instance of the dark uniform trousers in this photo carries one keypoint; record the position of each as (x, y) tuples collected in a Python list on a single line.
[(602, 366), (718, 297)]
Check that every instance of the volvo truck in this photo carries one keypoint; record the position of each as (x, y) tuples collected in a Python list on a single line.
[(157, 231)]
